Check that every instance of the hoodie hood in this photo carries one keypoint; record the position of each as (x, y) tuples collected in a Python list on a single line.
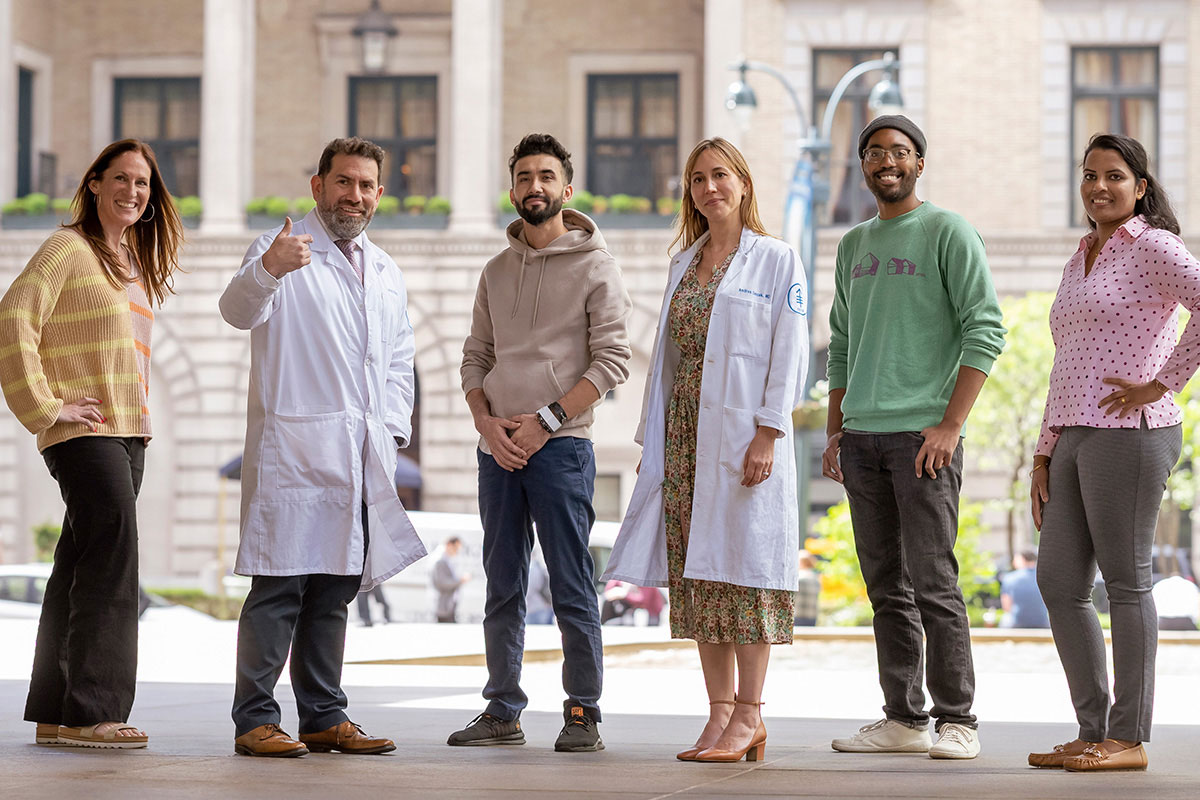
[(582, 236)]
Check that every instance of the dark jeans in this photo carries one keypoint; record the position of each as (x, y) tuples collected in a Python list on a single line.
[(904, 531), (306, 613), (85, 659), (554, 490)]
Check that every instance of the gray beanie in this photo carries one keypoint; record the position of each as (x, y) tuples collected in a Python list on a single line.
[(897, 122)]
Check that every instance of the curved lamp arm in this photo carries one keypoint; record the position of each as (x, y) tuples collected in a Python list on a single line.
[(888, 62), (758, 66)]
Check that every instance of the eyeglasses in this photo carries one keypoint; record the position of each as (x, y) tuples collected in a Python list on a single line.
[(874, 155)]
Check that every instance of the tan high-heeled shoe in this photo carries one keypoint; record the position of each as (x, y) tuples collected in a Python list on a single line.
[(756, 750), (691, 752)]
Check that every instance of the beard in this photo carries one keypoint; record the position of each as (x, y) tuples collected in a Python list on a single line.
[(894, 193), (535, 217), (341, 224)]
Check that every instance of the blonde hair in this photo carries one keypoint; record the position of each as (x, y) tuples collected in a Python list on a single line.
[(692, 224)]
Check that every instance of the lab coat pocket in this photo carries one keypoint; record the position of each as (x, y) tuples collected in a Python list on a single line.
[(748, 334), (737, 431), (312, 451)]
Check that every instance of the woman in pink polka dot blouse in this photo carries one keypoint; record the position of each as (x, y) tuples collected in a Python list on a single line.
[(1113, 430)]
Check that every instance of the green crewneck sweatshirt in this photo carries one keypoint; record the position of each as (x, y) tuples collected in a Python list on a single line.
[(914, 301)]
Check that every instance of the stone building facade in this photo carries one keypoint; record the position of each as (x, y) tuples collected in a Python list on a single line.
[(244, 93)]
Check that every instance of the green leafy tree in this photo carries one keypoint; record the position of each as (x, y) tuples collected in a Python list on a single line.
[(45, 539), (843, 592), (1007, 418)]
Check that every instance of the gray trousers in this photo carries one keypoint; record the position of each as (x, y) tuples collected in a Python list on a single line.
[(1105, 488)]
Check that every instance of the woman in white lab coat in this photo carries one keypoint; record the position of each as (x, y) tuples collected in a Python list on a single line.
[(714, 514)]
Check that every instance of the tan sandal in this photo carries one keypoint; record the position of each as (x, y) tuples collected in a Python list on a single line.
[(109, 740), (47, 733), (693, 751)]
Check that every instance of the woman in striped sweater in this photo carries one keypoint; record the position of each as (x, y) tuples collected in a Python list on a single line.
[(75, 368)]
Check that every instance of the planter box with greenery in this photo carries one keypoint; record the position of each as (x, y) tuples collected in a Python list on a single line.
[(34, 211), (618, 211), (421, 213), (190, 209)]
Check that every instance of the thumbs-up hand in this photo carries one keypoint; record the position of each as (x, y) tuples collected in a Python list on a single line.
[(287, 252)]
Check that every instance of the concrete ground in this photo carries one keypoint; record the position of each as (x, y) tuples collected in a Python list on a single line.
[(417, 683)]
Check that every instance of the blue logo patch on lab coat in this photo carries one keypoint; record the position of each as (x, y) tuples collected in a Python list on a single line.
[(796, 299)]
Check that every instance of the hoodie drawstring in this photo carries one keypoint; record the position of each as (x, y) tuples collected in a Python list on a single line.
[(537, 296), (520, 285)]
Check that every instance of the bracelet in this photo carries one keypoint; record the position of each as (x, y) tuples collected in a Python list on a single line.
[(1037, 466), (558, 412), (1162, 387), (549, 422)]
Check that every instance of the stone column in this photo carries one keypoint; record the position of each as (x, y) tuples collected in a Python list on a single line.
[(475, 97), (723, 45), (8, 105), (226, 113)]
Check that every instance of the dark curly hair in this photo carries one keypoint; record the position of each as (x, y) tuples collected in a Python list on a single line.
[(1154, 205), (350, 146), (536, 144)]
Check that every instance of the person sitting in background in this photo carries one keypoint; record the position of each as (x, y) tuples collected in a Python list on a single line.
[(808, 591), (1020, 597)]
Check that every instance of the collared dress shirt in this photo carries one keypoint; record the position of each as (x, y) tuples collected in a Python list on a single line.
[(1121, 320)]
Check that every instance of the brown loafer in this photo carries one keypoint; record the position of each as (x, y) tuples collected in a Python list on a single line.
[(270, 741), (1061, 752), (1104, 756), (347, 738)]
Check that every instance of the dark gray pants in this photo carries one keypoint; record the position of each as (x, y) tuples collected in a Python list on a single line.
[(904, 531), (305, 614), (1105, 490)]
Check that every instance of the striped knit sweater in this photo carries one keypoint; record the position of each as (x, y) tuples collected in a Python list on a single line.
[(66, 334)]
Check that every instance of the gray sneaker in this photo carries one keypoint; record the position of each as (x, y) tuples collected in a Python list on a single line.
[(885, 736), (579, 734), (487, 730)]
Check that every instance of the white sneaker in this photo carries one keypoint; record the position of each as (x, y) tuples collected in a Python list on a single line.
[(956, 741), (887, 736)]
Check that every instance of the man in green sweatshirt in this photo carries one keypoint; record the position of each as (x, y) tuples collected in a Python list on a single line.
[(548, 340), (914, 329)]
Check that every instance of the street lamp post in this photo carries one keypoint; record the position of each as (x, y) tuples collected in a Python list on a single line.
[(375, 29), (808, 190)]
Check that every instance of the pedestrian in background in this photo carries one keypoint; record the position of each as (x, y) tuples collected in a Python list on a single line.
[(75, 369), (718, 471), (808, 591), (447, 579), (1020, 597), (1110, 436)]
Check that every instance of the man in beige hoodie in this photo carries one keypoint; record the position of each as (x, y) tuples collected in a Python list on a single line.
[(548, 340)]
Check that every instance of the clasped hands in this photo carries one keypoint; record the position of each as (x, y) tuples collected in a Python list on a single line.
[(512, 441)]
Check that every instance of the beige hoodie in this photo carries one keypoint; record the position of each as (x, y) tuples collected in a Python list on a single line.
[(545, 318)]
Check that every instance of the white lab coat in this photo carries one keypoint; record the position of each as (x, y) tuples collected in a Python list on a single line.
[(331, 389), (756, 359)]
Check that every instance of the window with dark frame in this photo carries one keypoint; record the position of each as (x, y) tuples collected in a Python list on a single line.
[(24, 131), (632, 135), (1113, 90), (399, 113), (850, 201), (164, 113)]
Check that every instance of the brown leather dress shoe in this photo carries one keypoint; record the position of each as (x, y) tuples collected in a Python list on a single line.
[(268, 740), (1105, 756), (346, 738), (1061, 752)]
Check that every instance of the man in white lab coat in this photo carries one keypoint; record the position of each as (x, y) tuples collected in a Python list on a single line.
[(330, 401)]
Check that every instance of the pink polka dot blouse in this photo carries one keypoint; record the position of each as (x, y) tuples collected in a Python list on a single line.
[(1121, 320)]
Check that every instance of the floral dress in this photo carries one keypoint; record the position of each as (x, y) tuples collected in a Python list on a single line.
[(706, 611)]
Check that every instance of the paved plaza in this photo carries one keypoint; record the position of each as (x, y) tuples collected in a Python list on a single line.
[(417, 683)]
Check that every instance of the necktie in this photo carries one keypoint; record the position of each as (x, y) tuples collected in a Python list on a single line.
[(347, 248)]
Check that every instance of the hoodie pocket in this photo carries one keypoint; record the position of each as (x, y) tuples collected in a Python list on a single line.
[(521, 386)]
